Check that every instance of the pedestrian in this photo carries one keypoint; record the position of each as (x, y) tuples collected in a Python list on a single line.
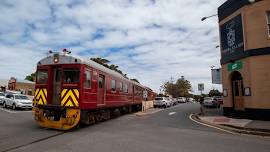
[(201, 106)]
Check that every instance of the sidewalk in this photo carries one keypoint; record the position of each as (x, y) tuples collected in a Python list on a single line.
[(215, 117)]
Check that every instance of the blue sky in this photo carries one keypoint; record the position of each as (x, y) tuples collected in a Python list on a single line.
[(151, 40)]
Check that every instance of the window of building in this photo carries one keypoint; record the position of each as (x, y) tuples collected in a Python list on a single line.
[(87, 81), (121, 86), (125, 88), (113, 85), (268, 22)]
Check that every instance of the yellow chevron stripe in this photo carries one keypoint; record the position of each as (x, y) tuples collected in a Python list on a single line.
[(45, 91), (41, 96), (65, 94), (69, 104), (76, 93), (36, 92)]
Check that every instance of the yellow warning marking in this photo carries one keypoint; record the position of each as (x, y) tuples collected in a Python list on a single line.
[(67, 94), (63, 92), (40, 96)]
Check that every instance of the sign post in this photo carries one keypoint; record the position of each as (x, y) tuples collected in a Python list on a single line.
[(216, 76), (201, 87)]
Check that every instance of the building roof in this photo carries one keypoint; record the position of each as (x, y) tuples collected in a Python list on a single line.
[(24, 81), (229, 7)]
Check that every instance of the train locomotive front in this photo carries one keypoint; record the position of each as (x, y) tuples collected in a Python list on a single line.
[(57, 92)]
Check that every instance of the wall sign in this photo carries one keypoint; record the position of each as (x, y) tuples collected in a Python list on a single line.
[(247, 91), (232, 42), (225, 93), (216, 76), (235, 66)]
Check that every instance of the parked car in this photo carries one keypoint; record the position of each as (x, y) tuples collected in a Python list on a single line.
[(210, 102), (173, 101), (181, 99), (2, 96), (219, 100), (17, 101), (162, 102)]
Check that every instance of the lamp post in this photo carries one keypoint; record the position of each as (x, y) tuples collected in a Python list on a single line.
[(206, 17)]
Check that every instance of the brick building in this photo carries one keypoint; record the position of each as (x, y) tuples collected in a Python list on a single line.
[(245, 57), (24, 86)]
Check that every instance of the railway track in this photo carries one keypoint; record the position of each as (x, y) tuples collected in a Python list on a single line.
[(33, 142)]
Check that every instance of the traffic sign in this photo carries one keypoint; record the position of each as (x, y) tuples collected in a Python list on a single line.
[(200, 86)]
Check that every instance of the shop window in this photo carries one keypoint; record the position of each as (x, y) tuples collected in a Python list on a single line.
[(268, 22), (87, 81), (113, 85)]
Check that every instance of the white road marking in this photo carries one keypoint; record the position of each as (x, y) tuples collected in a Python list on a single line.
[(171, 113), (6, 110), (12, 111)]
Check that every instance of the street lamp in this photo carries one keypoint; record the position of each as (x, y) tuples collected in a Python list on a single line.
[(206, 17)]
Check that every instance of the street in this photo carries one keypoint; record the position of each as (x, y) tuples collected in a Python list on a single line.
[(167, 130)]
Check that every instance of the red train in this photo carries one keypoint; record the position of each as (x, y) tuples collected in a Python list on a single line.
[(70, 90)]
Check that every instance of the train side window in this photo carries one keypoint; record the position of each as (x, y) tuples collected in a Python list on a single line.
[(100, 81), (87, 81), (113, 85), (121, 86), (125, 88)]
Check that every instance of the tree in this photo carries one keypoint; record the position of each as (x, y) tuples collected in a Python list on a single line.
[(180, 88), (214, 92), (31, 77)]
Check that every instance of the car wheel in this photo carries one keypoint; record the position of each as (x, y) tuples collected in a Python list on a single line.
[(4, 104), (14, 106)]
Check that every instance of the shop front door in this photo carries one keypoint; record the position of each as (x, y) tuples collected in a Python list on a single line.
[(238, 92)]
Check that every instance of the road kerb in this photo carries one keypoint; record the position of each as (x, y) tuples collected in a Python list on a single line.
[(228, 128)]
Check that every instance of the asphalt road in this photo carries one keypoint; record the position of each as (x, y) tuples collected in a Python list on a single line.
[(169, 130)]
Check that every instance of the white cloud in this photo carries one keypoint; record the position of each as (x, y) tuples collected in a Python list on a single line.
[(150, 40)]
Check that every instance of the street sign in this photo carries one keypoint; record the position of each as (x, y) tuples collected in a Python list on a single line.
[(200, 86), (216, 76), (235, 66), (145, 94)]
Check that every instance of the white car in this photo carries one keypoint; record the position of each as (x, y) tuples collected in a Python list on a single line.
[(17, 101), (2, 96), (162, 102), (181, 99)]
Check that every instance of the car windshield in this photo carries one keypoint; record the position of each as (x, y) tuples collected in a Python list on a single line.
[(21, 97), (2, 94), (208, 98), (160, 98)]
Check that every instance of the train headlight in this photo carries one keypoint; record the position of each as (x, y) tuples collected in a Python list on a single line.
[(56, 58)]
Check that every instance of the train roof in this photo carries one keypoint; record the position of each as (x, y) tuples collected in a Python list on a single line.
[(68, 59)]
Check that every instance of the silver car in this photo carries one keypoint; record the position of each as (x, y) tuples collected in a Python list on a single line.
[(17, 101), (162, 102), (2, 96)]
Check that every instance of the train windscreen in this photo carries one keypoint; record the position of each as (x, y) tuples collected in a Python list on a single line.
[(71, 75)]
